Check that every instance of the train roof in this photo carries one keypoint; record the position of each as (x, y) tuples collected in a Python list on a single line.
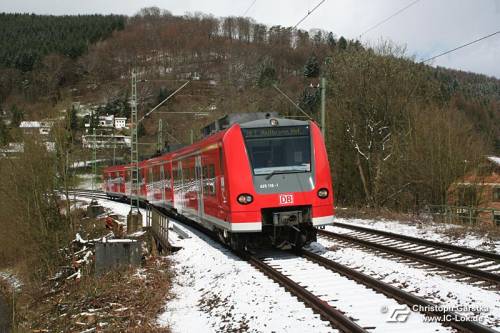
[(267, 123)]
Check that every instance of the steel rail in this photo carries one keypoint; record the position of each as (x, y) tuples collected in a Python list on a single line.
[(327, 312), (455, 248), (457, 321), (451, 266)]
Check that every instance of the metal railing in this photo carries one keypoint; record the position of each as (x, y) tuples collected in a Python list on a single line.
[(465, 214), (159, 224)]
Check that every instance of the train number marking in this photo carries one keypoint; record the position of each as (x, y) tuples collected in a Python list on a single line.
[(286, 199)]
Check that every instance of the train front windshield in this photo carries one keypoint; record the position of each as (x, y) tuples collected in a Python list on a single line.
[(278, 149)]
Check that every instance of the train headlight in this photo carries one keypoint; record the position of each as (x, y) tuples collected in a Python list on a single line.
[(245, 199), (323, 193), (274, 122)]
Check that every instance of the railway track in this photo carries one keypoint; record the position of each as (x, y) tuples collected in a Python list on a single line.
[(455, 320), (319, 303), (337, 318), (470, 263)]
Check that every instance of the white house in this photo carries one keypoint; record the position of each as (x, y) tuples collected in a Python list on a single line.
[(32, 127), (107, 121), (120, 122), (110, 121)]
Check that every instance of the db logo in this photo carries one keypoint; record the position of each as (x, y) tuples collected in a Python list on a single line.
[(286, 199)]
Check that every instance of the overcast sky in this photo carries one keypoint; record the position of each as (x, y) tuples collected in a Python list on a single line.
[(427, 28)]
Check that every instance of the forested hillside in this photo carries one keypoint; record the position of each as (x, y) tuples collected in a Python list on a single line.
[(398, 132), (26, 39)]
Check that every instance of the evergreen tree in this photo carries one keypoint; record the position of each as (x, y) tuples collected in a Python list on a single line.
[(31, 37), (4, 134), (17, 116), (94, 119), (331, 40), (267, 75), (342, 43), (141, 130), (162, 94), (310, 99), (73, 119), (311, 69)]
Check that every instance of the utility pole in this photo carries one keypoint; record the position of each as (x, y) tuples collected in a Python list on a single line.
[(134, 151), (323, 116), (159, 143), (94, 164)]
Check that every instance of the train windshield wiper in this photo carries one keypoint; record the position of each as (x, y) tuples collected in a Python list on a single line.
[(272, 174)]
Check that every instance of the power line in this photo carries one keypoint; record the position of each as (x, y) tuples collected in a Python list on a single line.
[(461, 46), (388, 18), (308, 13), (249, 7)]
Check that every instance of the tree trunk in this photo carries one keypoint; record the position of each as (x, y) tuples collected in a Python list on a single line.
[(363, 180)]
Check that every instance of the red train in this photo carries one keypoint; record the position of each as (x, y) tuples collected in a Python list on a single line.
[(259, 182)]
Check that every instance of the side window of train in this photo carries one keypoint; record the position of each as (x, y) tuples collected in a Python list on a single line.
[(150, 176), (179, 175), (211, 178), (117, 176)]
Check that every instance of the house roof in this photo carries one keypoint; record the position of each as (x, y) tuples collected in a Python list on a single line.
[(494, 159), (35, 124), (30, 124)]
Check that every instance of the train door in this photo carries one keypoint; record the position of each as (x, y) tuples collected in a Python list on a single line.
[(177, 192), (199, 187), (169, 178), (162, 183), (121, 179), (221, 195), (150, 185)]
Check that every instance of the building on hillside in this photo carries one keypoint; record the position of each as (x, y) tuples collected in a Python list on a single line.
[(120, 122), (12, 149), (109, 122), (36, 127), (476, 196), (106, 141), (16, 148)]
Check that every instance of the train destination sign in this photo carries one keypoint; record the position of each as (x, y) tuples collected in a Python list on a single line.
[(266, 132)]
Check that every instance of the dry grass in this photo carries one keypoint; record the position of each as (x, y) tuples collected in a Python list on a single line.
[(120, 301), (374, 213)]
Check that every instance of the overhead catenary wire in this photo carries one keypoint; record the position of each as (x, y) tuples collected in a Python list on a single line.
[(460, 47), (388, 18), (308, 13), (249, 7)]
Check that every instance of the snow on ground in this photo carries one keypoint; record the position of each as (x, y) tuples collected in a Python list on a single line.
[(118, 208), (86, 182), (11, 279), (426, 230), (425, 283), (353, 298), (217, 292)]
